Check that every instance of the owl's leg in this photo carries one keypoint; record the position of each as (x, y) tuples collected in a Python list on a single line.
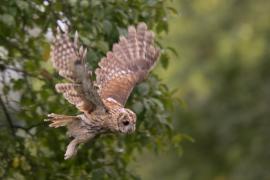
[(73, 145)]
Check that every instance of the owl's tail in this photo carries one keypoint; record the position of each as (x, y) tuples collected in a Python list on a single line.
[(58, 120)]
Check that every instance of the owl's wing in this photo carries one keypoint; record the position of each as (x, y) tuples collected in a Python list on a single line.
[(127, 64), (69, 60)]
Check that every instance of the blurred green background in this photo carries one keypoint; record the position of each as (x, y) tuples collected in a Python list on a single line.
[(222, 73), (214, 53)]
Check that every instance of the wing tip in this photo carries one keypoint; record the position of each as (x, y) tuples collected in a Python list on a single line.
[(131, 30), (141, 26)]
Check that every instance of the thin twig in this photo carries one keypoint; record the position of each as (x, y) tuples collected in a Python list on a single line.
[(8, 117)]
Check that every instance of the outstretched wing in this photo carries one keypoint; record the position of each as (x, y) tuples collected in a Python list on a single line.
[(68, 59), (128, 64)]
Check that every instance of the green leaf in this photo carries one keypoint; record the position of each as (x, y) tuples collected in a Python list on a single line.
[(18, 84), (102, 45), (143, 88), (22, 5), (172, 50), (164, 59), (7, 19), (35, 151), (173, 10)]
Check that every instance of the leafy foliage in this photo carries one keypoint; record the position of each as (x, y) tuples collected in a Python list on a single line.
[(31, 150)]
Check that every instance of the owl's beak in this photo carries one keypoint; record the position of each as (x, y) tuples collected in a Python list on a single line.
[(131, 129)]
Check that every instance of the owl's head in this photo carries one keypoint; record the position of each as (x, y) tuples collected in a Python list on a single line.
[(126, 121)]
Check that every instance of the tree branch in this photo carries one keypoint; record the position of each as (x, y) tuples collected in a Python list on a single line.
[(8, 117)]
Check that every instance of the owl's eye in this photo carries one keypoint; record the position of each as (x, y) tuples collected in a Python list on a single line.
[(126, 123)]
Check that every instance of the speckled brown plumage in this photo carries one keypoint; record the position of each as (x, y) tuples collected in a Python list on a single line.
[(101, 102)]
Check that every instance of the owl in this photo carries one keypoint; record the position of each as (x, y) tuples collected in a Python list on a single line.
[(101, 99)]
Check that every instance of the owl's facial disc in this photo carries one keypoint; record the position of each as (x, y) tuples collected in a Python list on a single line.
[(127, 121)]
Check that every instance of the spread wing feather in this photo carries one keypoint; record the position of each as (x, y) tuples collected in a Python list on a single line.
[(68, 59), (128, 64)]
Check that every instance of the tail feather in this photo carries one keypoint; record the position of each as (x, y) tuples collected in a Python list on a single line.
[(58, 120)]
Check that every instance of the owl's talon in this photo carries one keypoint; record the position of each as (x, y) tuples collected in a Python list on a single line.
[(69, 154), (71, 149)]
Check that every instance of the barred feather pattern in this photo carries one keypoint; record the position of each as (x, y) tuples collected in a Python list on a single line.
[(128, 64), (64, 54)]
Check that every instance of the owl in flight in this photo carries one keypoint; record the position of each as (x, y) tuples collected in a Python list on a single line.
[(101, 102)]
